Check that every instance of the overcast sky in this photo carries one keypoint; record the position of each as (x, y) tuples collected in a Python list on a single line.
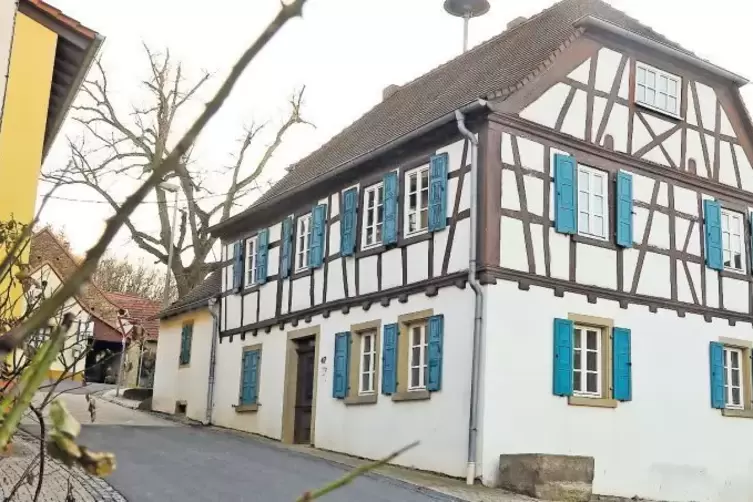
[(344, 51)]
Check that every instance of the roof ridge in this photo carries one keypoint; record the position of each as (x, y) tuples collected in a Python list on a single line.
[(402, 87)]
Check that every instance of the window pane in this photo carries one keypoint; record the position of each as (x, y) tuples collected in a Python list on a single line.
[(738, 262), (424, 218), (583, 223), (735, 378), (661, 100), (651, 79), (413, 182), (425, 178), (641, 93), (576, 381), (591, 379), (598, 185), (673, 87), (598, 228), (414, 375), (583, 201), (576, 359), (415, 359), (735, 358), (583, 181), (650, 96), (663, 84), (591, 339), (641, 77), (576, 338), (591, 362), (672, 104), (598, 208), (736, 396)]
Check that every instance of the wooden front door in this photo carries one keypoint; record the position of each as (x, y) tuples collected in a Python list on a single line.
[(304, 391)]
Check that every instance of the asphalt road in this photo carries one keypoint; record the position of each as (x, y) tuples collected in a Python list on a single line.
[(193, 464)]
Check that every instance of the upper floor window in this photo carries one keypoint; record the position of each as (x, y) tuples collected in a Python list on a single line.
[(417, 200), (303, 232), (251, 245), (373, 215), (592, 202), (732, 240), (657, 89)]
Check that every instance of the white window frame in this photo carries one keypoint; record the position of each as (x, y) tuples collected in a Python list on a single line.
[(728, 371), (581, 353), (377, 214), (422, 201), (602, 177), (251, 251), (423, 346), (642, 89), (731, 236), (371, 354), (302, 229)]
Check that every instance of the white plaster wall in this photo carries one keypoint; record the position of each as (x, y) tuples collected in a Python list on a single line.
[(173, 383), (352, 429), (7, 18), (665, 444), (299, 291)]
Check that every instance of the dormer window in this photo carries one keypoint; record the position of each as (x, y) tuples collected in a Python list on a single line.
[(657, 89)]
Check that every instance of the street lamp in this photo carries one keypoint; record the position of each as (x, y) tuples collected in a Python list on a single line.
[(170, 187)]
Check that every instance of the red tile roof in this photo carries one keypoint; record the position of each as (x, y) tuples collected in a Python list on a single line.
[(141, 311)]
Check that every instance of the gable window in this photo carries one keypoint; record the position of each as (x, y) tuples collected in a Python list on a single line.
[(251, 248), (657, 89), (368, 362), (417, 200), (418, 356), (373, 215), (303, 231), (592, 202), (587, 370), (732, 240)]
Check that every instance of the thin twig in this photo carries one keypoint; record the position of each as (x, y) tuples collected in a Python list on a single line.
[(70, 287), (359, 471), (41, 451)]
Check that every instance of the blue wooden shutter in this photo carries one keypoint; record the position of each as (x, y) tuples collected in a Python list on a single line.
[(262, 256), (563, 357), (716, 360), (286, 247), (624, 209), (435, 336), (250, 377), (712, 214), (238, 249), (316, 237), (348, 222), (390, 205), (565, 195), (621, 365), (389, 359), (342, 359), (438, 192)]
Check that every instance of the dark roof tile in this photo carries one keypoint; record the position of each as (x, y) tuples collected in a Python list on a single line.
[(497, 64), (195, 298)]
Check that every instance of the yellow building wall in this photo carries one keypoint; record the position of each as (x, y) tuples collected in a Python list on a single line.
[(22, 131), (25, 117)]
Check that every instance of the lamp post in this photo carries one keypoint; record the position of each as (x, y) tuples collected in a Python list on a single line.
[(170, 187), (466, 9)]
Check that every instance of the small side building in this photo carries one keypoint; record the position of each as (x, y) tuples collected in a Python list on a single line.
[(183, 378)]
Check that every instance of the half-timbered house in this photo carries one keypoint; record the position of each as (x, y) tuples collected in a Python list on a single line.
[(541, 247)]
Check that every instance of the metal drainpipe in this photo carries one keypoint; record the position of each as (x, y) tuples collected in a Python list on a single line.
[(478, 291), (213, 305)]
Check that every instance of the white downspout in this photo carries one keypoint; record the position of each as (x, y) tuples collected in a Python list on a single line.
[(478, 291), (213, 305)]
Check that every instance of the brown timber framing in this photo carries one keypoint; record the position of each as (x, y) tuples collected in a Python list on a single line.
[(610, 161)]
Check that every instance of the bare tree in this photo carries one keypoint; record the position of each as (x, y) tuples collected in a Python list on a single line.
[(119, 146), (122, 276)]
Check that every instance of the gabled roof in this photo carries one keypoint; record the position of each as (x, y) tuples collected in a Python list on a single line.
[(494, 69), (140, 311), (77, 46), (45, 248), (197, 298)]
